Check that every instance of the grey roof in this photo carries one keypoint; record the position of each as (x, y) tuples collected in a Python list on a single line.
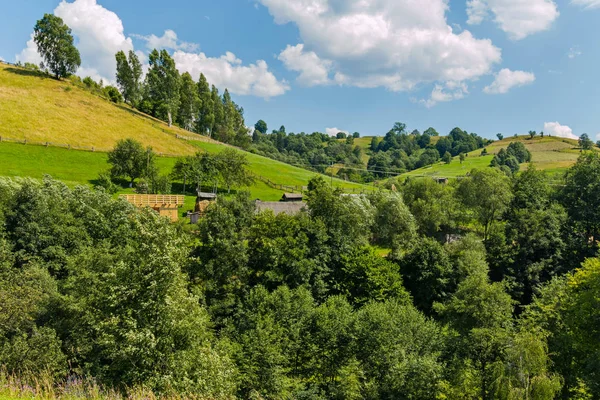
[(204, 195), (279, 207), (293, 196)]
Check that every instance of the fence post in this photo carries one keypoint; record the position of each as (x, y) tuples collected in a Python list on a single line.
[(69, 148), (93, 149)]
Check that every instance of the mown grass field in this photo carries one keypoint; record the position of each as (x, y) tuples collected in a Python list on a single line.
[(552, 154)]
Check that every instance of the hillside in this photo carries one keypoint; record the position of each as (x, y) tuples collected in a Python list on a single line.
[(552, 154), (39, 109)]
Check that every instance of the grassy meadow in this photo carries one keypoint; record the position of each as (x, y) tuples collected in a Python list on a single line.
[(552, 154), (40, 109)]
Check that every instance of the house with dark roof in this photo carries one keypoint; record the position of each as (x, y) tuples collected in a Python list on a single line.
[(292, 197), (280, 207)]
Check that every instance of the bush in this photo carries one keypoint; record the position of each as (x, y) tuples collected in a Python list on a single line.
[(113, 94), (105, 181)]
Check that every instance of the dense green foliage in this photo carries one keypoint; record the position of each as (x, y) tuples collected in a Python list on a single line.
[(490, 292), (54, 42)]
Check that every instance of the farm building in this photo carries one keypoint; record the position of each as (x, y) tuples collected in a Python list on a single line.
[(280, 207), (203, 200), (165, 205), (292, 197)]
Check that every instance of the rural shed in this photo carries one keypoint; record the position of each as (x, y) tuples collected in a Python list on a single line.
[(165, 205), (279, 207), (203, 201), (292, 197)]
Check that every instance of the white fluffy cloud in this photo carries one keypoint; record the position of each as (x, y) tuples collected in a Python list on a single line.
[(448, 92), (228, 72), (334, 131), (556, 129), (30, 53), (100, 35), (587, 3), (518, 18), (396, 44), (507, 79), (598, 136), (313, 71), (168, 40)]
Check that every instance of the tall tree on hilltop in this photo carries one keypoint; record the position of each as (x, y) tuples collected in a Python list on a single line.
[(261, 126), (217, 111), (206, 114), (189, 102), (129, 75), (55, 44), (163, 82)]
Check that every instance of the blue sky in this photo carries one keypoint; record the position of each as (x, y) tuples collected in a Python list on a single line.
[(487, 66)]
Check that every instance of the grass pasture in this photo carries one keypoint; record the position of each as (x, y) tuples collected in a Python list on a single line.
[(552, 154), (40, 109)]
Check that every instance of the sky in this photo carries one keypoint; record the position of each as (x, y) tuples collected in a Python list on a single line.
[(487, 66)]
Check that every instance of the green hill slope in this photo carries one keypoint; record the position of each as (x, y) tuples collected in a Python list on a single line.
[(552, 154), (38, 109)]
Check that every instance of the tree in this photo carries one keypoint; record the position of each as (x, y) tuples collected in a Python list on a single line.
[(447, 158), (374, 143), (55, 44), (581, 198), (189, 103), (598, 144), (532, 134), (340, 135), (129, 74), (356, 135), (113, 94), (163, 82), (232, 167), (130, 159), (431, 132), (462, 157), (500, 136), (206, 113), (261, 126), (585, 142), (487, 193)]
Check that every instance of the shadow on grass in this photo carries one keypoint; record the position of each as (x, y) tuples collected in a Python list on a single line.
[(29, 72)]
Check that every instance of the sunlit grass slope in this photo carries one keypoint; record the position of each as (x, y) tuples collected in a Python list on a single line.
[(36, 108), (552, 154)]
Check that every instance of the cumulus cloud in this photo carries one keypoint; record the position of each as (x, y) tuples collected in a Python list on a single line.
[(556, 129), (507, 79), (168, 40), (518, 18), (313, 71), (100, 35), (598, 136), (30, 53), (228, 71), (587, 3), (448, 92), (334, 131), (386, 43)]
